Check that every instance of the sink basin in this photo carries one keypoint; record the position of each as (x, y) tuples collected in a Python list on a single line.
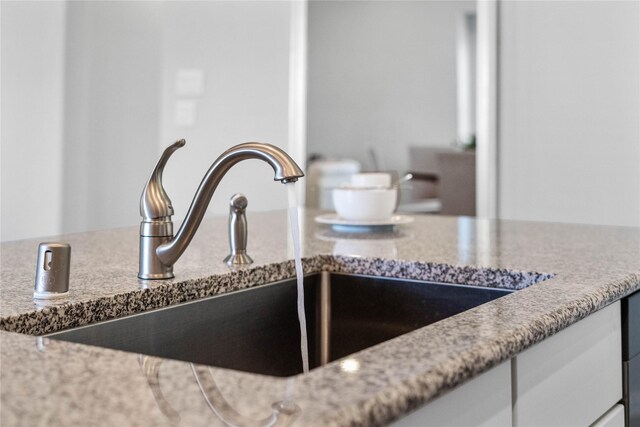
[(257, 330)]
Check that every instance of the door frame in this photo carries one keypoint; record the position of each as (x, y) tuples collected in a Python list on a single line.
[(487, 109)]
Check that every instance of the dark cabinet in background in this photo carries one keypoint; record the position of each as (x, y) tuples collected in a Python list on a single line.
[(631, 358)]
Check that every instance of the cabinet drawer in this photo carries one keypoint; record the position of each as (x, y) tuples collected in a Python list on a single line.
[(613, 418), (485, 401), (573, 377)]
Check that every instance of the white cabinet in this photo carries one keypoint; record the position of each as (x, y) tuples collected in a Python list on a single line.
[(483, 401), (613, 418), (573, 377)]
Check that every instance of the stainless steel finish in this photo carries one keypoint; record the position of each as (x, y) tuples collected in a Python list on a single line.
[(238, 231), (157, 257), (407, 177), (150, 265), (325, 317), (257, 329), (155, 203), (52, 270), (156, 227)]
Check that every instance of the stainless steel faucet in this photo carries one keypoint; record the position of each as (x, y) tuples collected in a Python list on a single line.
[(238, 232), (159, 249)]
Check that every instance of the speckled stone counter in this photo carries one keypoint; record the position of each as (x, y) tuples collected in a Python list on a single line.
[(562, 273)]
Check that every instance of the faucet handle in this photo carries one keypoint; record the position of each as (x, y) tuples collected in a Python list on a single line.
[(154, 202)]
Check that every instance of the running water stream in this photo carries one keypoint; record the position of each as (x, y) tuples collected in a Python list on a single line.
[(295, 234)]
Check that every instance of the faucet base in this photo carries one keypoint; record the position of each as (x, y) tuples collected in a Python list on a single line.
[(160, 276), (151, 268), (238, 259)]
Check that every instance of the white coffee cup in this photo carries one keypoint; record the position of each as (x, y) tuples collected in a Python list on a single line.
[(364, 204), (371, 179)]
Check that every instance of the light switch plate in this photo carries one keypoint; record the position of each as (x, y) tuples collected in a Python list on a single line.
[(186, 111), (190, 82)]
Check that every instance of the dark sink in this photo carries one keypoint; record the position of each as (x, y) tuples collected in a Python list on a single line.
[(257, 330)]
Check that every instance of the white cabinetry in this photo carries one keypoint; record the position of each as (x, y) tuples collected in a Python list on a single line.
[(483, 401), (613, 418), (573, 377)]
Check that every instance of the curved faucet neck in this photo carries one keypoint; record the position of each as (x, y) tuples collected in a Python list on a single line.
[(285, 169)]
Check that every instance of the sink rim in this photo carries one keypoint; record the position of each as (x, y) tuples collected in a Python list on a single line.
[(505, 291), (384, 313)]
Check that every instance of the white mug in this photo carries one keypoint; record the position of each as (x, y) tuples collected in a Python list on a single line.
[(365, 204), (371, 179)]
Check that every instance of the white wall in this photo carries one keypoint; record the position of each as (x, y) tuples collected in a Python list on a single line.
[(569, 119), (112, 110), (32, 119), (243, 48), (77, 147), (382, 74)]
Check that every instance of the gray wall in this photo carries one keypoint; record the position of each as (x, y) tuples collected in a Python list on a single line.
[(113, 103), (243, 47), (382, 74), (570, 112), (32, 118), (569, 105), (88, 105)]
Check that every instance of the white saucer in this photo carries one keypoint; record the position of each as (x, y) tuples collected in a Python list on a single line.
[(341, 224)]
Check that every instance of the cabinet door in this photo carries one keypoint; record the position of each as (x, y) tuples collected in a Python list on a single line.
[(573, 377), (485, 401), (613, 418)]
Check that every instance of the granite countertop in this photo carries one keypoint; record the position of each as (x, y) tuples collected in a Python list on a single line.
[(574, 270)]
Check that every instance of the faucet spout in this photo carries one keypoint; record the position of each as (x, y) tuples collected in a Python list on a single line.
[(168, 250)]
